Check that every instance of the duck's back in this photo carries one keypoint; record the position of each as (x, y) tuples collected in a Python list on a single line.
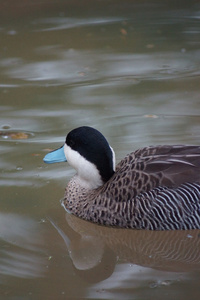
[(154, 188)]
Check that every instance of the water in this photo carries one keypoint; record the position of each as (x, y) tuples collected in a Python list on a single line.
[(129, 69)]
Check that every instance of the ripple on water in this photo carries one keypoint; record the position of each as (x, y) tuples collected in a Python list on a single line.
[(21, 248)]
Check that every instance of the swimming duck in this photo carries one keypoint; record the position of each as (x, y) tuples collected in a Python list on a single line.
[(155, 188)]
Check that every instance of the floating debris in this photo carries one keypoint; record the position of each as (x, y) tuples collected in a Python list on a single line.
[(15, 135), (19, 168), (36, 154), (151, 116), (150, 46), (123, 31)]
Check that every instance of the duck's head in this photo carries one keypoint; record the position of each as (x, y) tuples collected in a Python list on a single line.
[(89, 153)]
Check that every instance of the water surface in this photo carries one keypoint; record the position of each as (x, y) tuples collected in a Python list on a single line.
[(130, 70)]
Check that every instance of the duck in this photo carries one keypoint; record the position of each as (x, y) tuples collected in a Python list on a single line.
[(152, 188)]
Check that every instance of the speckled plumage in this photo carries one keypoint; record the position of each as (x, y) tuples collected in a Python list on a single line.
[(156, 188)]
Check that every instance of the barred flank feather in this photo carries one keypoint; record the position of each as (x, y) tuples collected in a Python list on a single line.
[(169, 208)]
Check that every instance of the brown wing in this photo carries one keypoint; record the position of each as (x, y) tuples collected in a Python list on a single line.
[(151, 167)]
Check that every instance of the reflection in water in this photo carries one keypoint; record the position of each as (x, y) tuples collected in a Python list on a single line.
[(95, 250), (83, 66), (92, 260), (133, 278), (21, 253), (60, 23)]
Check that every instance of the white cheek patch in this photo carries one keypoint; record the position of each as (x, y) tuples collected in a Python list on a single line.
[(87, 173)]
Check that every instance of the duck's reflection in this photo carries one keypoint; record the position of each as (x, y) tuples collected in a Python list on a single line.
[(95, 250)]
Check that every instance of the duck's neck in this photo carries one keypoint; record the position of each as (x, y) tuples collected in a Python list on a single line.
[(88, 183)]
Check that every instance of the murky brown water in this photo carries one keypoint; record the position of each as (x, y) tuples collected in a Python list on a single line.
[(129, 68)]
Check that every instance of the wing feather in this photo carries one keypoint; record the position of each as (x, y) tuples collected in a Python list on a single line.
[(158, 166)]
